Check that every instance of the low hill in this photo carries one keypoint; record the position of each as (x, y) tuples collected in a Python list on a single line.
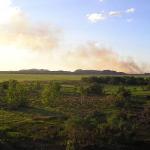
[(76, 72)]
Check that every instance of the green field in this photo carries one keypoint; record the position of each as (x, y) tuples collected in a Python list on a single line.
[(42, 77), (47, 77), (39, 77), (73, 113)]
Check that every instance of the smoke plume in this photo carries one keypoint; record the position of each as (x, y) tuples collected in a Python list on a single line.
[(19, 31), (91, 56)]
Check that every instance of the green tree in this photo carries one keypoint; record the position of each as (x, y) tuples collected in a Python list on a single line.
[(50, 93), (123, 92), (95, 89), (16, 95), (124, 98)]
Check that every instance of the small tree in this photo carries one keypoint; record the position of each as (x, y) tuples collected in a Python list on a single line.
[(148, 87), (123, 92), (50, 93), (83, 93), (16, 95), (80, 132), (95, 89), (124, 98), (3, 88)]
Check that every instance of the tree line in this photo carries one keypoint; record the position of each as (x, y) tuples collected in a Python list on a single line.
[(118, 80)]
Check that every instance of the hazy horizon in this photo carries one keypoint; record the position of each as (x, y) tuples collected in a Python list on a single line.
[(70, 35)]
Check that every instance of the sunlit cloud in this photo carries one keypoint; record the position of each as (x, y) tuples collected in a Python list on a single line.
[(98, 17), (95, 17)]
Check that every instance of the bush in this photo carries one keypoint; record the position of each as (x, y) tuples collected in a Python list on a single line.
[(16, 95), (123, 92), (148, 87), (125, 80), (124, 100), (95, 89), (80, 132), (50, 93)]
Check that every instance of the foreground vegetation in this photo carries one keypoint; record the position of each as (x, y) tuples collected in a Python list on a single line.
[(110, 113)]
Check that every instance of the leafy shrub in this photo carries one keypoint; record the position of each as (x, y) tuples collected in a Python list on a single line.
[(123, 92), (50, 93), (125, 80), (16, 95), (80, 132), (95, 89)]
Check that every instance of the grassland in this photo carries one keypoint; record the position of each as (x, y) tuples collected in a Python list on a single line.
[(39, 77), (110, 89), (43, 77), (39, 126)]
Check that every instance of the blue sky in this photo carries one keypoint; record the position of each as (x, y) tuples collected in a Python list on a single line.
[(122, 26), (128, 38)]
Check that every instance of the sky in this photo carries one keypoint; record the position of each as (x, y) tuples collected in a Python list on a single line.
[(75, 34)]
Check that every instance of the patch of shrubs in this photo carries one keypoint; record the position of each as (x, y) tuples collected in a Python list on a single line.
[(124, 80), (51, 93), (94, 89), (101, 131), (13, 95)]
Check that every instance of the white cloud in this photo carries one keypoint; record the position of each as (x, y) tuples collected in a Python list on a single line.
[(95, 17), (115, 13), (101, 0), (130, 10)]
